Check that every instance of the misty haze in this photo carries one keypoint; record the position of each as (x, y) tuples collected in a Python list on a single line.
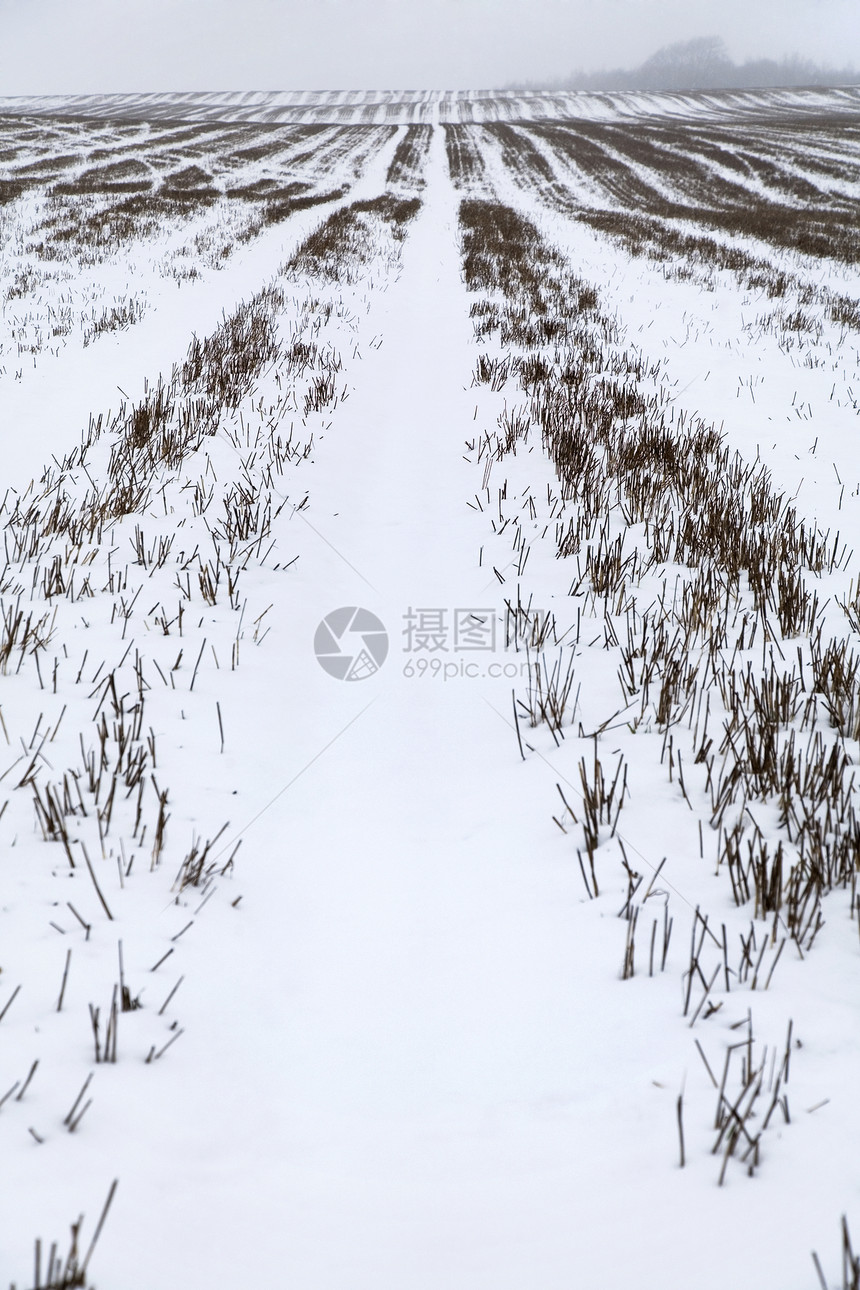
[(704, 64)]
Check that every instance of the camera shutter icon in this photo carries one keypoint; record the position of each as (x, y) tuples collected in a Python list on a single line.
[(351, 644)]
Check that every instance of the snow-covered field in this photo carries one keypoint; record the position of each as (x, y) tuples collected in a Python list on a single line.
[(430, 691), (428, 106)]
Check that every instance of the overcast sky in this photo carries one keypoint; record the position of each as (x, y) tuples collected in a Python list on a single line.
[(82, 46)]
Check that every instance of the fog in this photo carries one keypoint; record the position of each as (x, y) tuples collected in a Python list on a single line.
[(84, 46)]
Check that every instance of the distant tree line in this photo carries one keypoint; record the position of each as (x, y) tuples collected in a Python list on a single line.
[(703, 64)]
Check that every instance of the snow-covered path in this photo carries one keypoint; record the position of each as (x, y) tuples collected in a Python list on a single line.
[(402, 1012), (386, 1063)]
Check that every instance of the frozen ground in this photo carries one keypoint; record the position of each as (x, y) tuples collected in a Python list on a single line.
[(402, 1053)]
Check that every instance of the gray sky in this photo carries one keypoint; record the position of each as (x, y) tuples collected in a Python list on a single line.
[(82, 46)]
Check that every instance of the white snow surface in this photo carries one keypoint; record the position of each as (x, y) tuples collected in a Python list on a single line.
[(393, 106), (407, 1057)]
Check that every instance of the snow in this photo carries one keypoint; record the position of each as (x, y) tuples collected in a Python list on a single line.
[(379, 106), (406, 1057)]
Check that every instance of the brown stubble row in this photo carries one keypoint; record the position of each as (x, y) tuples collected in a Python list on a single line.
[(140, 529), (698, 198), (732, 665)]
